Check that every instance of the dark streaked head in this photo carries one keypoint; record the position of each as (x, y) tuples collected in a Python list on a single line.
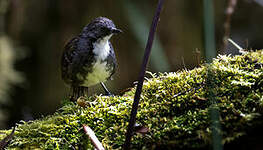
[(100, 27)]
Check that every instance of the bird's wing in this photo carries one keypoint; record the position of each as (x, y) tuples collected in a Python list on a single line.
[(76, 58), (67, 59), (112, 60)]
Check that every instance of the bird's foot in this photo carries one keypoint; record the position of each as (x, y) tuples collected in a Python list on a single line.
[(107, 92)]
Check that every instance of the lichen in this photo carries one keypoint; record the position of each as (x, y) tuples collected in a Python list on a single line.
[(174, 106)]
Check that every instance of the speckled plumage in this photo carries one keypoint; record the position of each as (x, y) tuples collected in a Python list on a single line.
[(89, 58)]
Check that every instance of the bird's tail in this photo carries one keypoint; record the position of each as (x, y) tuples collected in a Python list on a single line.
[(78, 91)]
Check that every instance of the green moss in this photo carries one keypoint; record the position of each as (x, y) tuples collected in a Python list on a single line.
[(174, 106)]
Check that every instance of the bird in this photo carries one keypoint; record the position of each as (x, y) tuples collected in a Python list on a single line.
[(88, 58)]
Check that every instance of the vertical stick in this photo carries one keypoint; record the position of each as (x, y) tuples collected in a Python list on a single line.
[(209, 27), (210, 53), (148, 48)]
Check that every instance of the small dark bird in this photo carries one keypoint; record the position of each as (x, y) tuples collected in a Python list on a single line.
[(89, 58)]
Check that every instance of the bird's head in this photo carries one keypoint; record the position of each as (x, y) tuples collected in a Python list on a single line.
[(100, 27)]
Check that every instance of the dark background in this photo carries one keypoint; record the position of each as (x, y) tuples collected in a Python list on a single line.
[(38, 30)]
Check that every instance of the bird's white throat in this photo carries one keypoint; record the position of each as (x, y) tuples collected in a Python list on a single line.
[(99, 71), (102, 48)]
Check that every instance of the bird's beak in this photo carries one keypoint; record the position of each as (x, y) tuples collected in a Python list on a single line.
[(116, 31)]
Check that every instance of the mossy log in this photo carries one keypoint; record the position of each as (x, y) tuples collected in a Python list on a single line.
[(174, 107)]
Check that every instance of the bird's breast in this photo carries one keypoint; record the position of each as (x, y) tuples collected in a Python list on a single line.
[(98, 73)]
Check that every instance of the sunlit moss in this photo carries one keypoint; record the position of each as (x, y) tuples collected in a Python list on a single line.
[(174, 106)]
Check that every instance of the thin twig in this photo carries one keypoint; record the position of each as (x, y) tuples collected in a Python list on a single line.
[(229, 12), (241, 50), (148, 48), (97, 144), (7, 139), (187, 91), (235, 44), (197, 54)]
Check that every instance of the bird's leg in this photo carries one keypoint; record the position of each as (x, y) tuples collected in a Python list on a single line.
[(85, 90), (77, 91), (74, 93), (81, 91), (107, 92)]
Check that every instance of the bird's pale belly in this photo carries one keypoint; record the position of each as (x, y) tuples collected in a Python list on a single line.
[(99, 73)]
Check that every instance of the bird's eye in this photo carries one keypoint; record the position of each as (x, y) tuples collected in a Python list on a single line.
[(103, 29)]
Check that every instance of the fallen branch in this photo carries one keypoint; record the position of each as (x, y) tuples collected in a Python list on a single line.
[(174, 111), (97, 144)]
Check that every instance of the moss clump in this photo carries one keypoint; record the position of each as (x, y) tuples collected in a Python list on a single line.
[(174, 106)]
